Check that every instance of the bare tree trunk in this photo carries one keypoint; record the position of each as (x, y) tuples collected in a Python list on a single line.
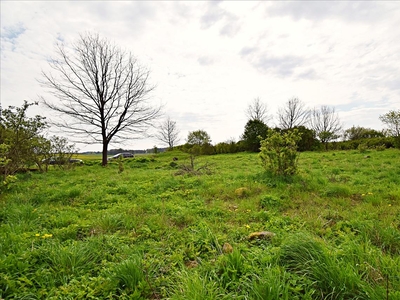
[(104, 154)]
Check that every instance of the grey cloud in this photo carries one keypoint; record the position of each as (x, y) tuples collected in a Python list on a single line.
[(393, 85), (194, 119), (282, 66), (132, 19), (247, 50), (365, 11), (215, 14), (230, 29), (309, 74), (205, 60)]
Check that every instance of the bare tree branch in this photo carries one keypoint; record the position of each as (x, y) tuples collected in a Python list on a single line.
[(293, 114), (325, 123), (168, 133), (102, 93), (258, 111)]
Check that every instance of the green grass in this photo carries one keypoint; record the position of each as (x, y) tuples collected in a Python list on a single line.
[(147, 233)]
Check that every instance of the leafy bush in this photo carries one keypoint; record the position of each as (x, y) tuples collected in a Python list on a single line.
[(387, 142), (362, 148), (279, 152)]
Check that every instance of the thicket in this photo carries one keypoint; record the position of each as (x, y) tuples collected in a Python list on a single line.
[(370, 143)]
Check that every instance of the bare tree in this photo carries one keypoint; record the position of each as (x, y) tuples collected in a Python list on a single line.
[(293, 114), (325, 123), (168, 132), (258, 111), (102, 93)]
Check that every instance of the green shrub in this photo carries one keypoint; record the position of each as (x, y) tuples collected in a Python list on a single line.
[(279, 152), (362, 148)]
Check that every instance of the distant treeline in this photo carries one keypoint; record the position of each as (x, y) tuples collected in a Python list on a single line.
[(308, 142), (120, 150)]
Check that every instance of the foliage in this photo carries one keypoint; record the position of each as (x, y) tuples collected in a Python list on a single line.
[(21, 135), (362, 148), (357, 133), (199, 138), (386, 142), (198, 143), (279, 152), (392, 120), (308, 141), (254, 131), (227, 147)]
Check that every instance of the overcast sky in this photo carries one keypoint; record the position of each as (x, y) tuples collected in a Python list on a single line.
[(209, 60)]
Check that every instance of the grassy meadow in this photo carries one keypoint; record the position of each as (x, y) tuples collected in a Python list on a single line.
[(145, 229)]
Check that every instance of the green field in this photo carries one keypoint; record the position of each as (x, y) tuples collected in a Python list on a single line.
[(138, 230)]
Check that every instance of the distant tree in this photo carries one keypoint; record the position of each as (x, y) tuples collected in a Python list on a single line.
[(168, 133), (356, 133), (254, 131), (392, 120), (308, 141), (199, 138), (198, 143), (293, 114), (101, 92), (326, 124), (258, 111)]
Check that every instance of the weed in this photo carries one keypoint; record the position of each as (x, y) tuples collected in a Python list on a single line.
[(269, 201)]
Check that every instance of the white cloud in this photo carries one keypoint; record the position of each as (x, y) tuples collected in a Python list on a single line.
[(210, 59)]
